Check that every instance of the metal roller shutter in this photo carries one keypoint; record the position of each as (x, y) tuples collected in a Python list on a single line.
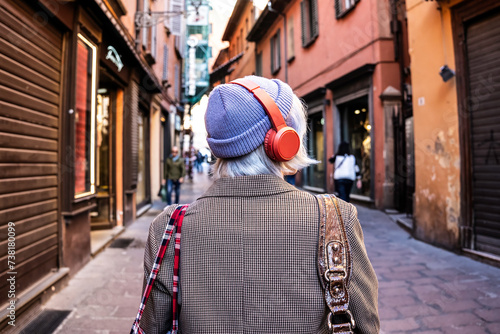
[(483, 59), (30, 71)]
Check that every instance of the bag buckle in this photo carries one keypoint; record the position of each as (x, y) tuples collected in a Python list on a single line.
[(342, 327)]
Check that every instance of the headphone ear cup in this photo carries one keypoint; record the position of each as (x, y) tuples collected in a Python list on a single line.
[(282, 145), (269, 143), (286, 144)]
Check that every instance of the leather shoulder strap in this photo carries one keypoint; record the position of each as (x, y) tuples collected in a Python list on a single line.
[(334, 262)]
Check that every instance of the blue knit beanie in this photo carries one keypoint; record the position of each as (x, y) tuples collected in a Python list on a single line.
[(235, 120)]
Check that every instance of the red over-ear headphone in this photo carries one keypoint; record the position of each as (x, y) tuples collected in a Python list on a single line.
[(282, 142)]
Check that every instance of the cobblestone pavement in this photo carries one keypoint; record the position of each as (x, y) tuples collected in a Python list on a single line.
[(423, 289)]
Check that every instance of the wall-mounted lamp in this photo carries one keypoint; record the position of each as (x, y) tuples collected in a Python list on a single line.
[(446, 73)]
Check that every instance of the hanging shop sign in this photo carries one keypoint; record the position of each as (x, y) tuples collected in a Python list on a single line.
[(192, 42), (114, 57)]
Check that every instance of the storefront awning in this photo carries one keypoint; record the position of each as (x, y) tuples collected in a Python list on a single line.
[(154, 85)]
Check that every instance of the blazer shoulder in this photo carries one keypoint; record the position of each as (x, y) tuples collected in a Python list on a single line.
[(349, 214), (159, 224)]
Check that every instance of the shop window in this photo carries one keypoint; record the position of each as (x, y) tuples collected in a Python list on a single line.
[(104, 211), (142, 196), (356, 129), (315, 174), (86, 67), (309, 18), (275, 53), (342, 7)]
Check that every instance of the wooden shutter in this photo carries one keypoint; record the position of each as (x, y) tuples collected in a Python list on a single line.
[(278, 50), (272, 54), (303, 23), (176, 20), (165, 62), (258, 64), (30, 71), (483, 60), (338, 9), (131, 112), (176, 82), (314, 19)]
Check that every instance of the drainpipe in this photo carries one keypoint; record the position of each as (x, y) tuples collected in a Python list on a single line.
[(396, 27), (270, 8)]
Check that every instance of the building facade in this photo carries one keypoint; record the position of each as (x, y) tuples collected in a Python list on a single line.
[(82, 103), (455, 93), (238, 59), (346, 60)]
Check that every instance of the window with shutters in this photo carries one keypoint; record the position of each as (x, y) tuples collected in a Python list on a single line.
[(164, 76), (289, 37), (177, 86), (242, 40), (342, 7), (175, 21), (246, 33), (85, 112), (309, 16), (148, 39), (258, 64), (275, 53)]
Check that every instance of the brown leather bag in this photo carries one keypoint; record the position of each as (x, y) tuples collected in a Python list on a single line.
[(334, 265)]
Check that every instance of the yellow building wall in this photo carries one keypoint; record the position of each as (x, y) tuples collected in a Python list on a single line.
[(437, 150)]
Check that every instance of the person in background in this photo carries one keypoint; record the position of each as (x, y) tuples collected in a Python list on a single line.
[(199, 162), (346, 171), (174, 174)]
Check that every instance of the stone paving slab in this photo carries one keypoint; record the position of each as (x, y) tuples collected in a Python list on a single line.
[(422, 289)]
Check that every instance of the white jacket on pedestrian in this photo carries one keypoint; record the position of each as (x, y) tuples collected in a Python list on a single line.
[(345, 167)]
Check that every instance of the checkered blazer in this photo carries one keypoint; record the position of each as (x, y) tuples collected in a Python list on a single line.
[(248, 263)]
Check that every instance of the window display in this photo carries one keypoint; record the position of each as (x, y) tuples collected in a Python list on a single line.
[(86, 62)]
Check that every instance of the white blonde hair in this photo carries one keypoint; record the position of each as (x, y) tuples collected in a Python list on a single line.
[(257, 162)]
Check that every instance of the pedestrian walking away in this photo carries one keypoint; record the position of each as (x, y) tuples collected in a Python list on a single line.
[(256, 254), (346, 171), (174, 175)]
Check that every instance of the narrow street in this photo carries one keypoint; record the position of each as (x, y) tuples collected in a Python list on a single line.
[(423, 289), (102, 100)]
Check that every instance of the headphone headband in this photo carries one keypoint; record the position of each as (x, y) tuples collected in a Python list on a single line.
[(282, 142), (267, 102)]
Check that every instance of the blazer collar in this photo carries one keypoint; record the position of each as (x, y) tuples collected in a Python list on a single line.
[(245, 186)]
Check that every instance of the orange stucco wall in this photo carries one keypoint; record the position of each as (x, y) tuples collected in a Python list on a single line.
[(437, 151)]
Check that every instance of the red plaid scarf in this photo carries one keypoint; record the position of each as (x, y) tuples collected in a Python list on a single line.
[(174, 222)]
